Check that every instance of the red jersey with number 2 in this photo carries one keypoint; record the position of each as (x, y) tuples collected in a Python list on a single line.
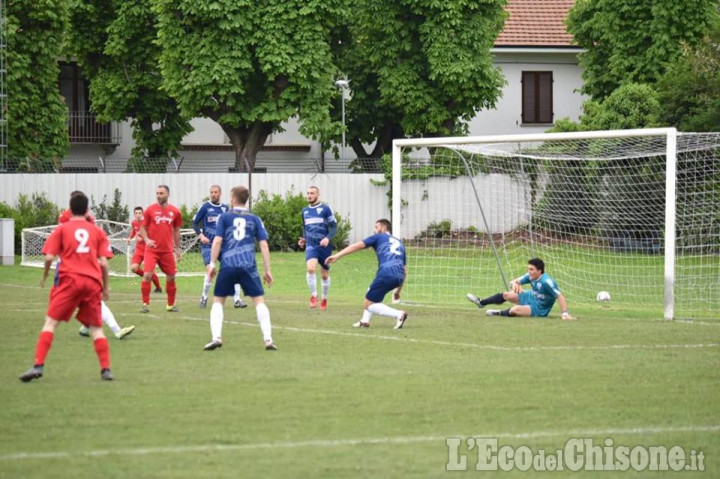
[(160, 223), (79, 244)]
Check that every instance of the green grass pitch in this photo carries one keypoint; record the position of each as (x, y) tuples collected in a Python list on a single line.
[(339, 402)]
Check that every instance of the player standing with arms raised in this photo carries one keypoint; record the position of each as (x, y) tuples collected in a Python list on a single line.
[(81, 283), (161, 232), (319, 227), (204, 225), (391, 273), (235, 236), (139, 253)]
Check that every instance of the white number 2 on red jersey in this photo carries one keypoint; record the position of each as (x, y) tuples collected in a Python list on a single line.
[(82, 236)]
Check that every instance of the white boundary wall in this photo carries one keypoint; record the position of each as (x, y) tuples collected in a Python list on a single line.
[(351, 195)]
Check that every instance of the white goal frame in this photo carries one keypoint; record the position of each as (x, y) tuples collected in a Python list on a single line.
[(670, 135)]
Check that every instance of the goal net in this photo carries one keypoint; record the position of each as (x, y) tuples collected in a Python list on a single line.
[(33, 240), (635, 213)]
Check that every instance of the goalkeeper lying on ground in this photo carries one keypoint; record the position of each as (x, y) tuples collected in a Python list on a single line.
[(537, 302)]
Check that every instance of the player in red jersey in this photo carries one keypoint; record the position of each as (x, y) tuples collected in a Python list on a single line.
[(107, 316), (81, 283), (139, 253), (161, 232)]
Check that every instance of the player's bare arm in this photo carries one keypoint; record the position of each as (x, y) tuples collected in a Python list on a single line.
[(565, 315), (324, 242), (214, 255), (349, 250), (203, 239), (396, 294), (49, 258), (301, 242), (105, 277), (265, 253), (176, 241), (148, 242), (515, 286)]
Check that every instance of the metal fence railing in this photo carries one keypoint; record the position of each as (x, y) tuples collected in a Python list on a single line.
[(189, 164), (84, 128)]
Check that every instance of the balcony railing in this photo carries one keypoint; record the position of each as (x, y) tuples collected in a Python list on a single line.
[(83, 127)]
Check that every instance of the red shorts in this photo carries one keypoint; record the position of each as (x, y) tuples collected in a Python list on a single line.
[(139, 254), (75, 291), (166, 261)]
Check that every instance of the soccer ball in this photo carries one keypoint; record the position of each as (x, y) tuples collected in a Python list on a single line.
[(603, 296)]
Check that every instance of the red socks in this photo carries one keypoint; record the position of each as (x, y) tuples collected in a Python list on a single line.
[(103, 352), (171, 289), (43, 347), (145, 289)]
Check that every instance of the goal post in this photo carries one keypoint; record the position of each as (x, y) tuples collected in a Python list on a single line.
[(632, 212), (33, 240)]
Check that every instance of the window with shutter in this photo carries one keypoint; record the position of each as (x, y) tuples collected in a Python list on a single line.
[(537, 98)]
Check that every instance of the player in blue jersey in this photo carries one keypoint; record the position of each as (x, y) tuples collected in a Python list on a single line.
[(537, 302), (319, 227), (204, 226), (391, 273), (234, 242)]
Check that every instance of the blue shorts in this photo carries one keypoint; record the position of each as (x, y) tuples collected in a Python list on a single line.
[(319, 253), (381, 286), (205, 251), (249, 281), (536, 310)]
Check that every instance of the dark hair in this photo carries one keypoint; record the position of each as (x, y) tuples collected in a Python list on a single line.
[(79, 204), (538, 263), (75, 193), (167, 188), (140, 208), (386, 224), (240, 194)]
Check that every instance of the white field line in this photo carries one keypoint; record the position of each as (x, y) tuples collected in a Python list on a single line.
[(469, 345), (142, 451)]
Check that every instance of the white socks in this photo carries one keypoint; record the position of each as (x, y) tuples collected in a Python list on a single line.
[(263, 316), (384, 310), (310, 278), (237, 293), (325, 287), (109, 318), (216, 320), (206, 287), (367, 315)]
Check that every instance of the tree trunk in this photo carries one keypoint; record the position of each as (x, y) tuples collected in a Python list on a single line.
[(247, 142)]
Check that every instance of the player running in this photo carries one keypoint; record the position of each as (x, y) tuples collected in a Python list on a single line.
[(319, 227), (107, 316), (235, 236), (204, 225), (81, 282), (391, 273), (161, 232), (139, 252), (536, 303)]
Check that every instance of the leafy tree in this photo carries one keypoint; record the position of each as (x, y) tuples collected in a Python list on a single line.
[(114, 42), (634, 40), (36, 115), (418, 67), (690, 90), (250, 65)]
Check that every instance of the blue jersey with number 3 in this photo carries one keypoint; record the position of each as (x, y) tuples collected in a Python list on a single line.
[(390, 253), (239, 230)]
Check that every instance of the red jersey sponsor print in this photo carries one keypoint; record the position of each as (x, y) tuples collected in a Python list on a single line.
[(79, 245), (67, 214), (160, 222)]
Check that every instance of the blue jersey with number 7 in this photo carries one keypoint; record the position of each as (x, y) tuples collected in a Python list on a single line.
[(239, 230), (390, 253)]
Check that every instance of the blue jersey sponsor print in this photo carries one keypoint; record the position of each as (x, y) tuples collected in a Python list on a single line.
[(318, 223), (206, 218), (239, 230), (542, 294)]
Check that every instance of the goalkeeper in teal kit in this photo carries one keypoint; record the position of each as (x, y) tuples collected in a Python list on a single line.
[(536, 302)]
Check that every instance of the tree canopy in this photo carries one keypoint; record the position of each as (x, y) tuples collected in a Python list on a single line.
[(634, 41), (250, 65)]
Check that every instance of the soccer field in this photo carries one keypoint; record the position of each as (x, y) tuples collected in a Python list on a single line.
[(339, 402)]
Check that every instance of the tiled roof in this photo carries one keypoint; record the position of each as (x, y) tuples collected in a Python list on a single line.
[(536, 23)]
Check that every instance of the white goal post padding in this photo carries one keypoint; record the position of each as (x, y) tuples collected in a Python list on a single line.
[(191, 263), (632, 212)]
